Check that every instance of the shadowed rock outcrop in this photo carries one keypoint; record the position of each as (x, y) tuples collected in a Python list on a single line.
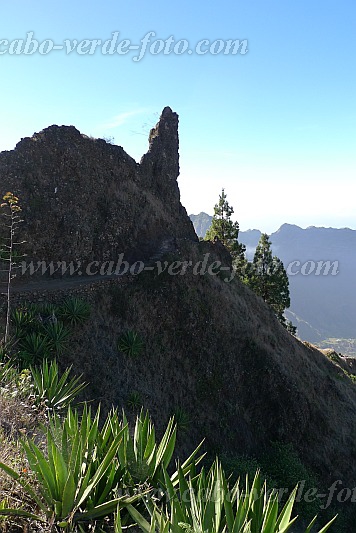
[(85, 200)]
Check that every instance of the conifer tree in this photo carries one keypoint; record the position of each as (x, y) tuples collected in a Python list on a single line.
[(227, 231), (267, 277)]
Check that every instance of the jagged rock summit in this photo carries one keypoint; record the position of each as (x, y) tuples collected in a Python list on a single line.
[(85, 199)]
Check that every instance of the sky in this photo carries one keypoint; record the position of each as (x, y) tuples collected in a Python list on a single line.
[(275, 126)]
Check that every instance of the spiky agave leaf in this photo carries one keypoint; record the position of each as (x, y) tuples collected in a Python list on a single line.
[(56, 391), (70, 468), (33, 349), (131, 344), (74, 311), (58, 335), (207, 503)]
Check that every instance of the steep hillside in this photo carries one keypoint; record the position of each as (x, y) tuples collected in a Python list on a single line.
[(212, 349), (216, 352), (322, 306)]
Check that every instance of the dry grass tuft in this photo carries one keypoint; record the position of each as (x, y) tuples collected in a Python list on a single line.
[(18, 419)]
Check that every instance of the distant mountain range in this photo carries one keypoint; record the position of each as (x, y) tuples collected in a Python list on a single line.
[(323, 307), (201, 223)]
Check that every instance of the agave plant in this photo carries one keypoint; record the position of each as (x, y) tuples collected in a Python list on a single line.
[(22, 320), (83, 468), (142, 458), (134, 401), (131, 344), (57, 334), (45, 310), (33, 349), (77, 458), (75, 311), (182, 419), (54, 391), (207, 504)]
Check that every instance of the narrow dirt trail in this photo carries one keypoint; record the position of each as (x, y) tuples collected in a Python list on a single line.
[(61, 283), (168, 245)]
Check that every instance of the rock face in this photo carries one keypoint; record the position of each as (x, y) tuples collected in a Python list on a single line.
[(160, 166), (86, 200)]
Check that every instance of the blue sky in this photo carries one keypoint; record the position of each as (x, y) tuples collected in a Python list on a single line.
[(276, 127)]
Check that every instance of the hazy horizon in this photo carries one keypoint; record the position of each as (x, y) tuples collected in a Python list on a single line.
[(282, 224)]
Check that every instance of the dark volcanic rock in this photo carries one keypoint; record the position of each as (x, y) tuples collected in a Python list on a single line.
[(84, 199), (160, 166)]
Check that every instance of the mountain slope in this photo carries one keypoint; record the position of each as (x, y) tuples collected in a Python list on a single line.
[(213, 349), (326, 302), (322, 306)]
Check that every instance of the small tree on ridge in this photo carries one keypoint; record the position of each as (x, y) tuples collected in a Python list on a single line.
[(267, 277), (227, 231)]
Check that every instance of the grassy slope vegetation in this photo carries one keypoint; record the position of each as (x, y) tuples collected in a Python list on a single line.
[(216, 350), (77, 471), (213, 354)]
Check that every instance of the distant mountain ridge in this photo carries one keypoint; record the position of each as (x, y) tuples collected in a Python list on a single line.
[(201, 223), (322, 306)]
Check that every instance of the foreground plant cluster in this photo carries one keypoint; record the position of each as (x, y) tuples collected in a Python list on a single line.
[(42, 332), (83, 473)]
